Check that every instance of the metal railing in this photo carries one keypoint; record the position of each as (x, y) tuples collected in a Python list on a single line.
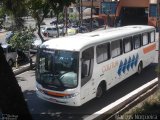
[(123, 104)]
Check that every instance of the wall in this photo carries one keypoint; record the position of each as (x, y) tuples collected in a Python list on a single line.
[(131, 3)]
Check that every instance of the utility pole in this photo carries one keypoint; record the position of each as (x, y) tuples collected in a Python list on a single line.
[(158, 26), (81, 13), (91, 23), (79, 9), (66, 19)]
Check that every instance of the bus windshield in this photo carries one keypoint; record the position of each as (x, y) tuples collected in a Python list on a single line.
[(57, 69)]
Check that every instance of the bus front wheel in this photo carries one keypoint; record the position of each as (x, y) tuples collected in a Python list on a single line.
[(100, 90)]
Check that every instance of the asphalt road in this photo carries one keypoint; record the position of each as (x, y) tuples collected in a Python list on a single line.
[(42, 110)]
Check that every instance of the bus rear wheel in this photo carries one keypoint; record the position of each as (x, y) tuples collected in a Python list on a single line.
[(140, 67)]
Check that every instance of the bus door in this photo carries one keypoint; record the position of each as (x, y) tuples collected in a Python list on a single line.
[(87, 61)]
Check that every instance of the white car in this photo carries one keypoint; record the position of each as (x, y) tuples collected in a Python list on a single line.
[(51, 31), (10, 54)]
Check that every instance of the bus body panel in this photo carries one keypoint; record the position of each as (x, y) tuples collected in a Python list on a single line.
[(148, 53), (74, 101)]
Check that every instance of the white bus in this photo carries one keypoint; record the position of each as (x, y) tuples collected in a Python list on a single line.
[(75, 69)]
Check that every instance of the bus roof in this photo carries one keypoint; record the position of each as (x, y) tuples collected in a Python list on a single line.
[(79, 41)]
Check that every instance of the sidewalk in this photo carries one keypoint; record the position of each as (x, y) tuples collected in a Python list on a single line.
[(25, 67)]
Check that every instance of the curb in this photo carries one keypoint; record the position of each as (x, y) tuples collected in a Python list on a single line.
[(23, 69)]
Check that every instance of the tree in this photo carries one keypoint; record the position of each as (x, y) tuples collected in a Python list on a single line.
[(11, 98), (57, 6), (16, 9), (2, 16), (39, 9), (22, 40), (73, 17)]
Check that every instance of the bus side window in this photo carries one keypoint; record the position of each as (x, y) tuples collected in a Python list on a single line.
[(87, 65), (152, 36), (127, 43), (103, 52), (116, 48), (145, 39), (137, 41)]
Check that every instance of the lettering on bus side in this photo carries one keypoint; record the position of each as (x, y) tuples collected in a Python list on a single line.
[(109, 66)]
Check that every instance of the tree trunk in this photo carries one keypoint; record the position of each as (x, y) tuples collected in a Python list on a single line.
[(11, 97), (39, 32), (64, 22), (57, 25)]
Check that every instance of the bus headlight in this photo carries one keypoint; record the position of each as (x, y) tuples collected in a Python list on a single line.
[(70, 95)]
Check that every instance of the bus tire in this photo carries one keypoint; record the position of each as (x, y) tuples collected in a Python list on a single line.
[(100, 90), (140, 68)]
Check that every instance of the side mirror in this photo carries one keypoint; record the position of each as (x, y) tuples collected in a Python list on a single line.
[(84, 70)]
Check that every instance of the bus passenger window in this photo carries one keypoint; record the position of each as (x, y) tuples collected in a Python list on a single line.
[(103, 51), (116, 48), (87, 65), (137, 41), (152, 36), (145, 39), (127, 42)]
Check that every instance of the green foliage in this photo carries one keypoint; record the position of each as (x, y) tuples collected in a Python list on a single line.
[(17, 9), (38, 9), (150, 106), (60, 16), (73, 16), (58, 5), (2, 12), (22, 40)]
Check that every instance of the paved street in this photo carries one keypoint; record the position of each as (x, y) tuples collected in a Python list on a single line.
[(41, 109)]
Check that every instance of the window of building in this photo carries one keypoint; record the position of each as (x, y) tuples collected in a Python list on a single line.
[(103, 51)]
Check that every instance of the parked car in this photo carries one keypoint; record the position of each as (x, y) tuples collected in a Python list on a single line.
[(54, 22), (10, 54), (80, 29), (51, 31)]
